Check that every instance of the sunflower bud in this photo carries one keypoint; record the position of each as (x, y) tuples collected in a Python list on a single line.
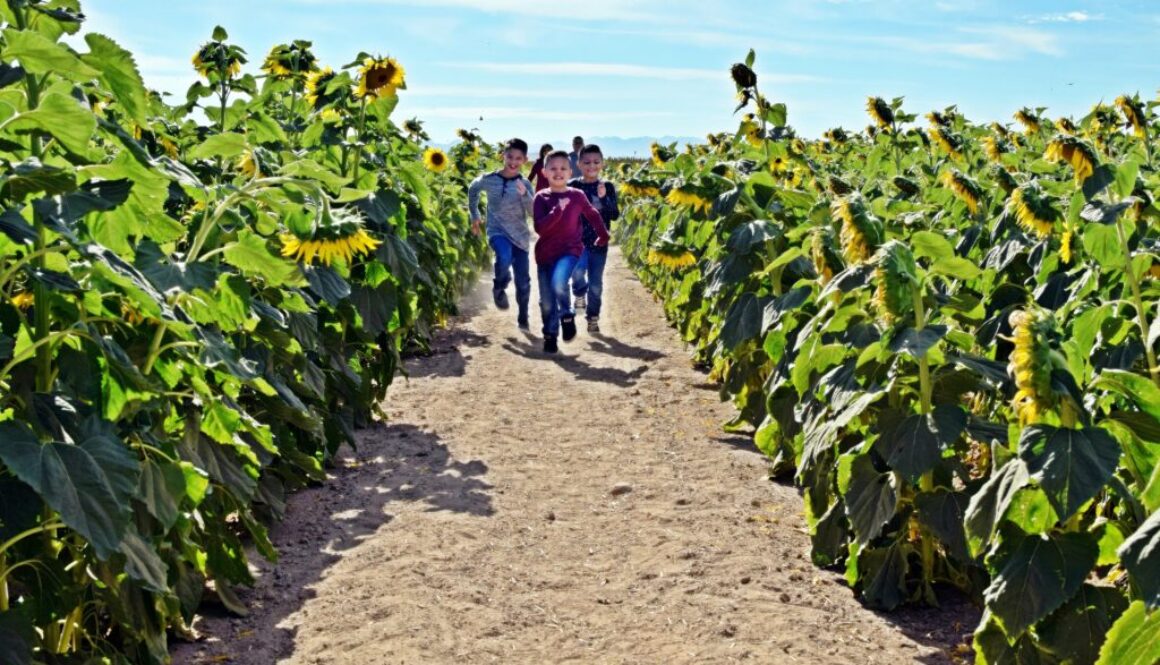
[(894, 281), (861, 232), (743, 76), (1075, 151)]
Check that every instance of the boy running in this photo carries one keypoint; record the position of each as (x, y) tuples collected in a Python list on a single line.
[(557, 212), (588, 276), (509, 202)]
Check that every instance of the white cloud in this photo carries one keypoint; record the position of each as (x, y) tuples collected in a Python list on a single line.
[(1067, 17), (1027, 39), (623, 70), (493, 92), (986, 43), (476, 113)]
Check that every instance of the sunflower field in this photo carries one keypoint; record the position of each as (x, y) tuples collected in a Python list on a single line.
[(199, 304), (946, 333)]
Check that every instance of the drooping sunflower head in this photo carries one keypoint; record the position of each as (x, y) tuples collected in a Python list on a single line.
[(1133, 114), (950, 142), (1000, 130), (824, 254), (1032, 209), (660, 154), (1066, 126), (743, 76), (836, 135), (1032, 363), (895, 278), (290, 61), (862, 232), (1004, 178), (1031, 122), (1075, 151), (838, 186), (217, 60), (319, 89), (642, 188), (967, 190), (380, 77), (938, 119), (252, 164), (905, 185), (687, 195), (670, 254), (880, 112), (434, 159), (414, 128), (921, 134), (995, 147), (335, 234)]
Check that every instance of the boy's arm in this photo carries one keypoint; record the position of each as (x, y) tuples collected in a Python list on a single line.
[(473, 192), (592, 215), (544, 217), (529, 196)]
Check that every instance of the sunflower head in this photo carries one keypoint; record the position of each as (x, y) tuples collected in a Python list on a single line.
[(1133, 115), (937, 119), (687, 195), (950, 142), (994, 147), (671, 255), (1004, 178), (905, 185), (23, 300), (319, 89), (286, 61), (635, 187), (1031, 122), (660, 154), (1033, 361), (743, 76), (862, 232), (1066, 126), (380, 77), (880, 112), (434, 159), (824, 254), (1075, 151), (967, 190), (751, 130), (1032, 209), (895, 278), (836, 135), (335, 234), (217, 60), (1000, 130)]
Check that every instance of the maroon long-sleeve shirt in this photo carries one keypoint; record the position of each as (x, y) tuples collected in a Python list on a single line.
[(559, 228)]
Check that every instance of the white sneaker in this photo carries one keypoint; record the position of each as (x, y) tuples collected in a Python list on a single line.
[(581, 303), (593, 325)]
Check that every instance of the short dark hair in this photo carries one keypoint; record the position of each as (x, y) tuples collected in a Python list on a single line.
[(577, 138), (545, 149), (557, 154), (591, 149), (516, 144)]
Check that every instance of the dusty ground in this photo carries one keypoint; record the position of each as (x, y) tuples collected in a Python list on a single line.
[(480, 525)]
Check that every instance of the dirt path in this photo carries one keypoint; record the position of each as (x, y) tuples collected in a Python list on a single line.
[(480, 526)]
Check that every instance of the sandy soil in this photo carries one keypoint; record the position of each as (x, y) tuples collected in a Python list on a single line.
[(486, 523)]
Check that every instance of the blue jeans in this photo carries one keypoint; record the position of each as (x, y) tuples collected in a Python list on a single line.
[(555, 301), (588, 279), (507, 258)]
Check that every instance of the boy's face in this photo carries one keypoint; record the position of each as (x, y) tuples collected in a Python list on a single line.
[(513, 160), (590, 165), (558, 170)]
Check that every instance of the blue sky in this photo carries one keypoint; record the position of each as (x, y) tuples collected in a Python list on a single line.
[(547, 70)]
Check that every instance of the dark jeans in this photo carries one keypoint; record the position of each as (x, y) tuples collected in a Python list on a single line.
[(588, 280), (555, 301), (508, 257)]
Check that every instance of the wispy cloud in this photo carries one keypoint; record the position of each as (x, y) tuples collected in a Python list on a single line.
[(1067, 17), (622, 70), (474, 113), (984, 43), (494, 92)]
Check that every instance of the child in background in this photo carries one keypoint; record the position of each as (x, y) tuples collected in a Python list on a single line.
[(574, 156), (556, 213), (588, 276), (537, 176), (509, 202)]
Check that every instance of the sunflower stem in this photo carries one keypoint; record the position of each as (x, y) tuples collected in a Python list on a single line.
[(362, 118), (764, 130), (926, 481), (1138, 302), (154, 347), (43, 313)]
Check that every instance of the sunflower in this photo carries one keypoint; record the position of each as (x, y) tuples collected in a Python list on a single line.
[(215, 58), (950, 142), (838, 186), (895, 277), (660, 154), (743, 76), (1066, 126), (685, 195), (861, 233), (1030, 206), (1031, 122), (317, 84), (824, 254), (24, 300), (330, 116), (1004, 178), (1077, 152), (1032, 363), (249, 164), (751, 129), (338, 234), (1065, 245), (1000, 130), (640, 188), (994, 148), (289, 61), (434, 159), (905, 185), (671, 255), (967, 190), (836, 135), (1133, 114), (937, 119), (880, 112), (379, 77)]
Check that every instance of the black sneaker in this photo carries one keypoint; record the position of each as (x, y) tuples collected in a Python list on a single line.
[(568, 327), (550, 344), (522, 322), (500, 297)]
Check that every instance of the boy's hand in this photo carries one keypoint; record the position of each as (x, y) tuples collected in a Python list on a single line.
[(520, 188), (601, 190), (475, 224)]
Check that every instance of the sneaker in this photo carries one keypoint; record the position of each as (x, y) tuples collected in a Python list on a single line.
[(550, 344), (581, 303), (594, 325), (522, 322), (500, 297), (568, 327)]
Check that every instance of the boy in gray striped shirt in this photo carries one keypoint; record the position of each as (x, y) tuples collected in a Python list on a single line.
[(509, 202)]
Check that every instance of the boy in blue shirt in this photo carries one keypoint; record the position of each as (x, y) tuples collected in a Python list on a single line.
[(509, 203), (588, 276)]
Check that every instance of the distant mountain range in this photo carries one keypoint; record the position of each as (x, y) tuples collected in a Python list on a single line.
[(611, 146)]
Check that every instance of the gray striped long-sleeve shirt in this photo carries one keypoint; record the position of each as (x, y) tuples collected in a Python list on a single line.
[(507, 211)]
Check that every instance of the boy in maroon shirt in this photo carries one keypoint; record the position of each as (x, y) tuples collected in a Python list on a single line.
[(557, 212)]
